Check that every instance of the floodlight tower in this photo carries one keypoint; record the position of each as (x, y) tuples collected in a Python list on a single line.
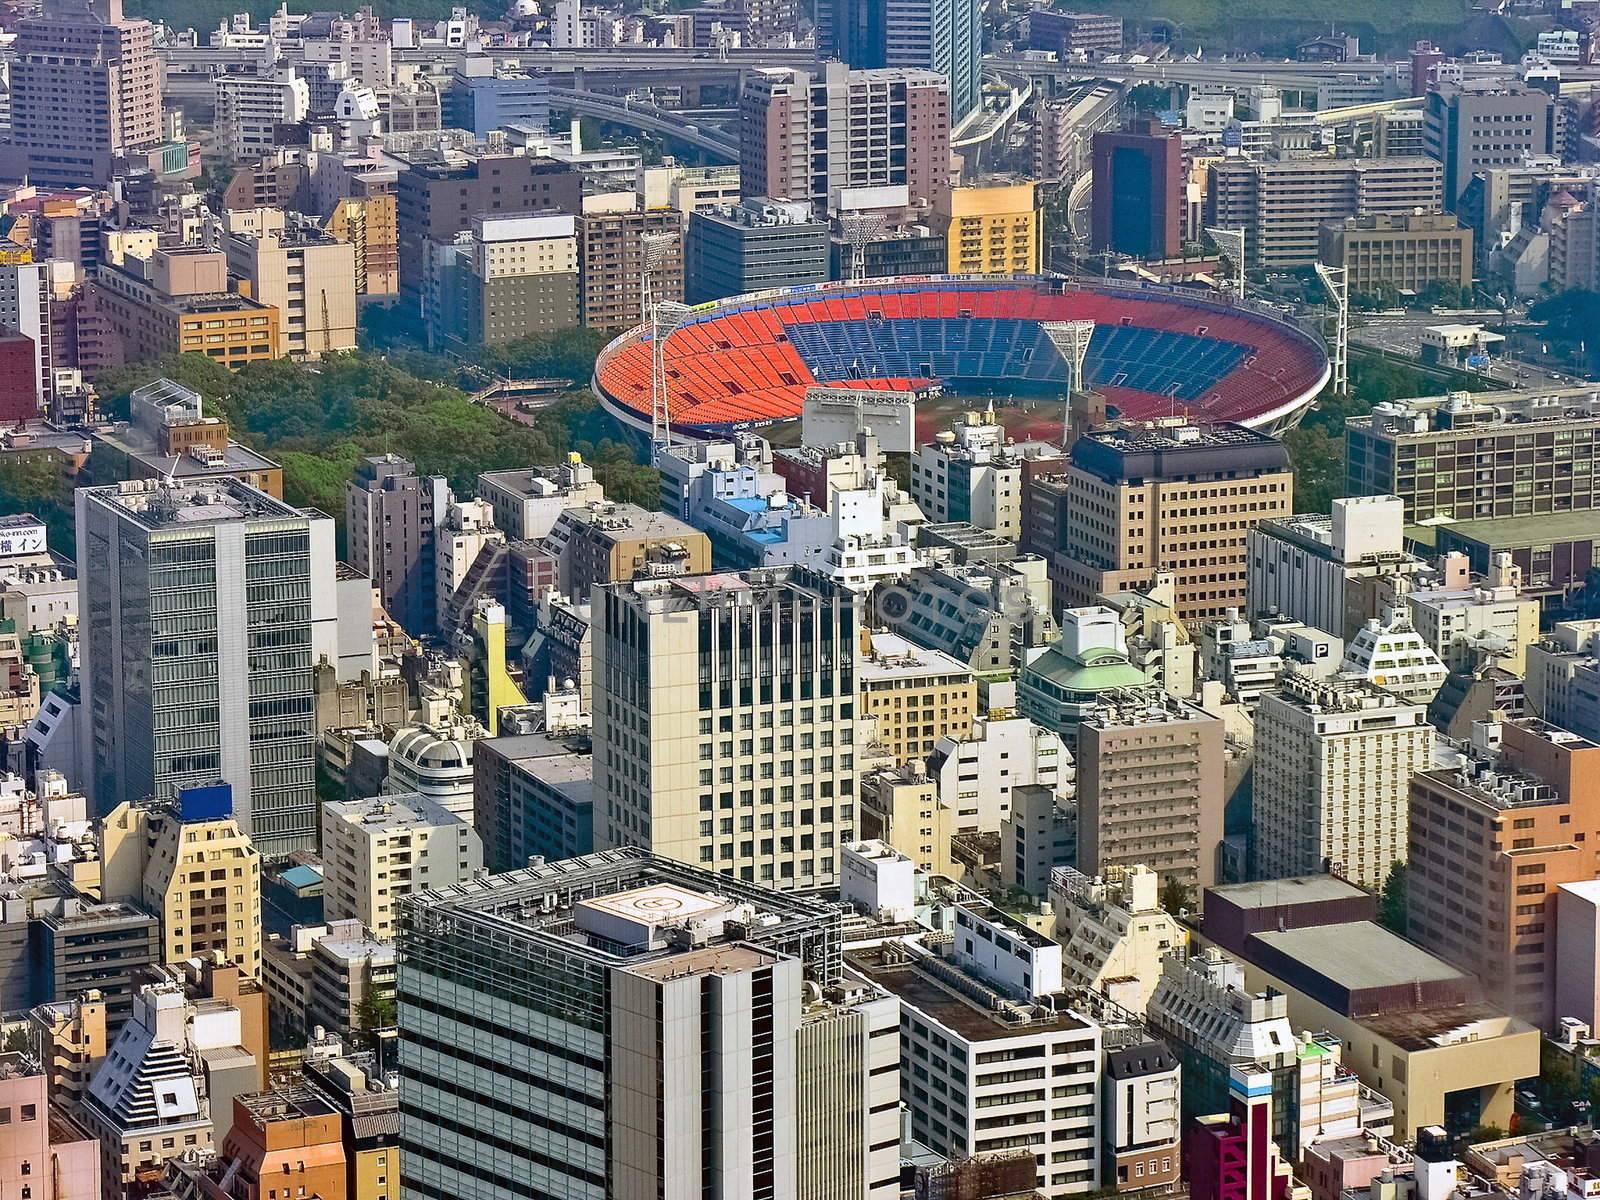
[(861, 228), (1230, 244), (1071, 340), (665, 317), (1337, 281)]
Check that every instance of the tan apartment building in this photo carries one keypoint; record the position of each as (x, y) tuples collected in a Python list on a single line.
[(1491, 843), (1171, 496), (901, 806), (611, 259), (309, 277), (916, 695), (369, 223), (173, 302), (284, 1142), (1282, 203), (603, 542), (992, 229), (199, 874), (1406, 252), (1150, 788)]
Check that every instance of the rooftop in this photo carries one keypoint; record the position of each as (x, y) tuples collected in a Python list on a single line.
[(393, 813), (1359, 955), (1273, 893), (1501, 532), (165, 504)]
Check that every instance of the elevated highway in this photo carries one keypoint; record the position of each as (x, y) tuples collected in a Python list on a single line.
[(718, 145)]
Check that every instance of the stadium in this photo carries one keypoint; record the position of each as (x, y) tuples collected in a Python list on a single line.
[(746, 362)]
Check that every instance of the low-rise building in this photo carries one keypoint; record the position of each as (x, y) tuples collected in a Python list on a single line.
[(533, 797), (1039, 835), (901, 807), (1402, 252), (1114, 932)]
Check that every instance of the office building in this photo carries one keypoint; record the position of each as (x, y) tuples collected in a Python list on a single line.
[(527, 501), (1563, 677), (1408, 253), (1516, 829), (772, 742), (238, 703), (602, 542), (533, 797), (286, 1139), (1478, 456), (1150, 788), (1178, 497), (992, 229), (881, 128), (25, 312), (972, 473), (1038, 835), (945, 37), (369, 223), (85, 90), (79, 946), (1074, 36), (390, 514), (900, 806), (435, 759), (906, 250), (1334, 760), (611, 257), (1475, 124), (703, 1067), (1388, 653), (1136, 199), (511, 276), (309, 277), (482, 99), (1142, 1147), (916, 695), (336, 975), (993, 1000), (1282, 203), (192, 865), (44, 1153), (377, 850), (753, 246), (1463, 622), (251, 108), (368, 1104), (978, 771)]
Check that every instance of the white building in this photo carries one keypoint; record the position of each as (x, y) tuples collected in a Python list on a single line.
[(378, 850), (435, 761), (527, 501), (467, 529), (1563, 679), (976, 773), (1388, 652), (25, 294), (1494, 617), (970, 472), (874, 876), (1333, 766), (251, 107), (1245, 665)]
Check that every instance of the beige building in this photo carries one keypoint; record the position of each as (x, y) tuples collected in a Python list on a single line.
[(611, 258), (376, 851), (309, 277), (369, 224), (1174, 497), (1333, 762), (901, 806), (71, 1035), (1407, 252), (991, 229), (917, 695), (1494, 618), (1114, 932), (199, 875), (1150, 788), (724, 722), (602, 542)]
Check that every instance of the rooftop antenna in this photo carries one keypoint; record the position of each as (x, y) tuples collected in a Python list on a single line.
[(1230, 245), (1337, 281), (1071, 340)]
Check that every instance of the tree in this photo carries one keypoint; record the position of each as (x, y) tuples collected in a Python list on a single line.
[(1149, 98), (1392, 903), (18, 1040), (1176, 895)]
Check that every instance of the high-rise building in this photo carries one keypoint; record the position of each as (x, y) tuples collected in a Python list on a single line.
[(945, 36), (1137, 194), (390, 514), (25, 304), (877, 128), (725, 721), (375, 851), (1334, 760), (514, 275), (1514, 830), (309, 277), (1231, 1155), (85, 89), (1176, 497), (696, 1063), (1150, 788), (1472, 124), (204, 609), (753, 246), (533, 797), (1282, 203), (917, 696), (250, 109), (611, 254)]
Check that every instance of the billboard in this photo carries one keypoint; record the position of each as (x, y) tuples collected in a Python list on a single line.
[(832, 415)]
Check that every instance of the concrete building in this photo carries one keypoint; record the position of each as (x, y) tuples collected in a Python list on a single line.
[(1440, 453), (193, 866), (527, 501), (369, 223), (972, 473), (611, 257), (1563, 677), (1471, 125), (1136, 201), (44, 1153), (1141, 1149), (1333, 765), (1114, 932), (1388, 653), (945, 38), (85, 90), (25, 309), (1282, 203), (1407, 253), (1062, 686), (916, 695), (901, 807), (1039, 834), (882, 128), (804, 1095), (482, 99), (1554, 553), (1529, 814), (1231, 1155), (309, 277), (752, 246), (978, 772), (511, 275), (390, 514), (1074, 35), (288, 1137), (987, 1002), (435, 759), (668, 760), (602, 542), (1138, 497), (1492, 618), (334, 976), (992, 229), (533, 797), (368, 1105), (1150, 790), (252, 107), (145, 740), (376, 851)]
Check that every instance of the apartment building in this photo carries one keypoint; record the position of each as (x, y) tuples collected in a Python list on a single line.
[(377, 850), (1334, 760), (251, 107), (972, 473), (1563, 677), (370, 223), (513, 275), (1074, 35), (978, 771), (781, 1093), (1491, 843), (1174, 496), (1150, 788), (881, 128), (174, 302), (611, 254), (1114, 932), (945, 37), (533, 797), (900, 806), (1282, 203), (1406, 253), (991, 229), (1492, 618), (916, 695), (390, 514), (1471, 457), (602, 542), (309, 277)]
